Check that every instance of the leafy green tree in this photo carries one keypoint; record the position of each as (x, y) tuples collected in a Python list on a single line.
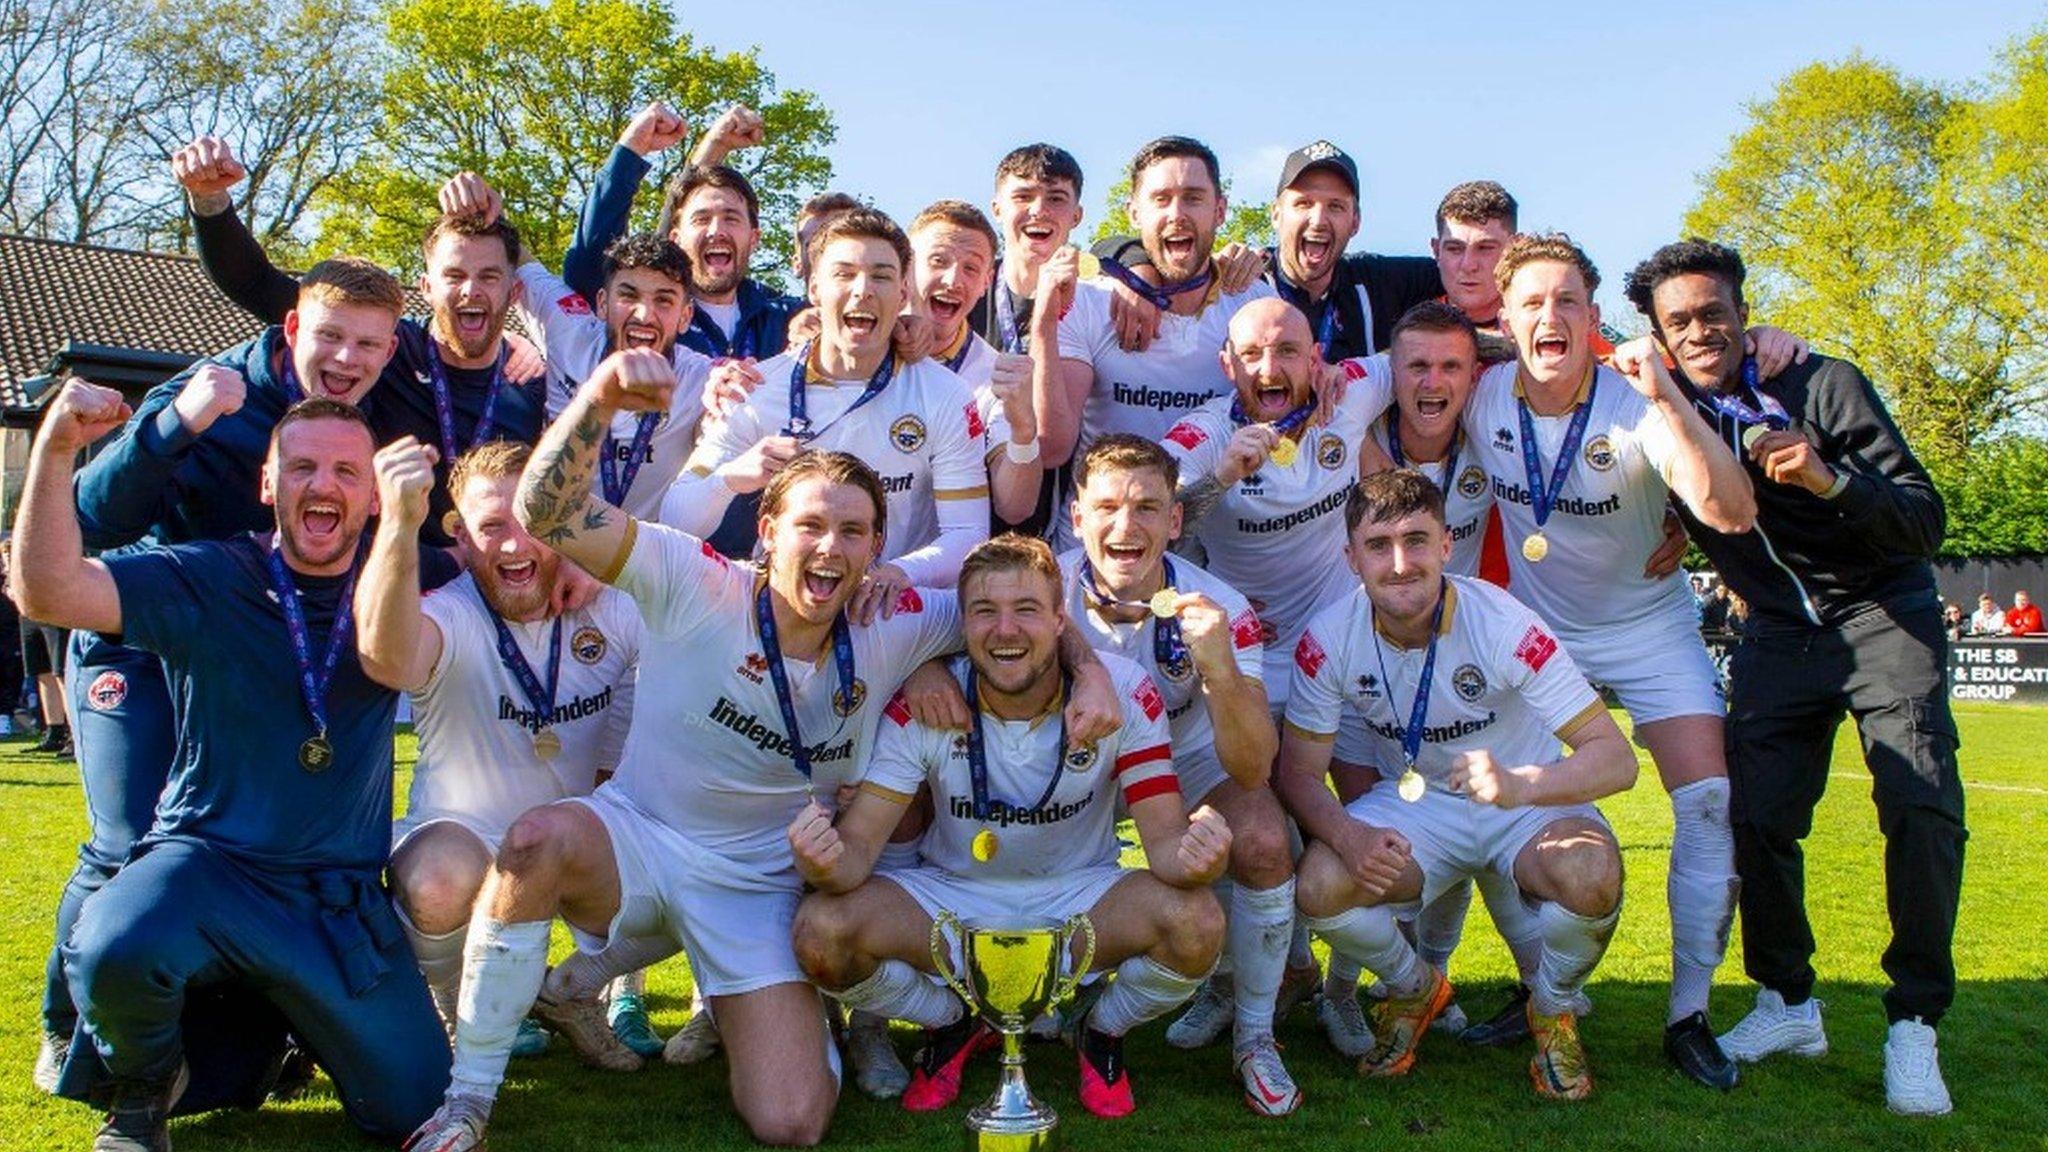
[(1892, 221), (532, 94), (1997, 500)]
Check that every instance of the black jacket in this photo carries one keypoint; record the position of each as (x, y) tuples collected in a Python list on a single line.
[(1811, 561)]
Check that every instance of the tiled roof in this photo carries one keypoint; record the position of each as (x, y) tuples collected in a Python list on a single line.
[(53, 292)]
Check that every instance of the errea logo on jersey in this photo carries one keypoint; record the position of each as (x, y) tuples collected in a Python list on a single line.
[(1503, 440), (753, 667)]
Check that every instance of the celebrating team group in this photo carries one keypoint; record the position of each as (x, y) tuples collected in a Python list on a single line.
[(768, 630)]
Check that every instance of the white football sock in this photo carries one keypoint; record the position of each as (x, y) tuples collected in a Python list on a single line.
[(502, 968), (1701, 890), (897, 991), (1372, 937), (1441, 925), (1144, 989), (1256, 938), (1572, 946)]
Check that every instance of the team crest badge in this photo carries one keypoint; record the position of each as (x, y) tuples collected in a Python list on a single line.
[(1330, 451), (1600, 453), (1082, 758), (1178, 667), (846, 701), (587, 645), (107, 691), (1320, 150), (1469, 682), (1471, 482), (907, 434)]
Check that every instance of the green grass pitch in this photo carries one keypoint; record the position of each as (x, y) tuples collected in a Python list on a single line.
[(1994, 1042)]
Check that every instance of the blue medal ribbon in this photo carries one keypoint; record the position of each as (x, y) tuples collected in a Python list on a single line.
[(314, 677), (1161, 296), (1418, 712), (1286, 425), (1732, 413), (844, 700), (977, 750), (1169, 651), (444, 408), (1542, 500), (1009, 325), (542, 697), (799, 425), (1401, 461), (617, 478), (1328, 325), (738, 346)]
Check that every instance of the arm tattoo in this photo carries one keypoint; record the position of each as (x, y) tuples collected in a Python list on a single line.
[(1197, 498), (554, 492)]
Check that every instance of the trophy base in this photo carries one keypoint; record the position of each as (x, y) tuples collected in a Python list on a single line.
[(1011, 1133)]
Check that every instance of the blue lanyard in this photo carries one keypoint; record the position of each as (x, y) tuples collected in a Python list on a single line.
[(799, 425), (1285, 425), (844, 699), (977, 754), (1418, 712), (313, 682), (444, 409), (738, 346), (616, 478), (1735, 409), (1169, 651), (1327, 326), (1161, 296), (542, 697), (1542, 500), (1401, 461), (1009, 333)]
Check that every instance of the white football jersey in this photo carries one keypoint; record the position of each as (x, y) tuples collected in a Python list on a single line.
[(1501, 682), (1187, 713), (1468, 496), (710, 755), (1607, 520), (574, 342), (922, 435), (1076, 826), (476, 725), (977, 369), (1277, 535)]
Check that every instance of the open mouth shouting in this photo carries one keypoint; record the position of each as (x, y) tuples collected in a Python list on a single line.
[(945, 307), (1549, 349), (337, 383), (320, 524), (1315, 249), (518, 575), (719, 259), (634, 334), (1038, 234), (822, 582), (860, 322), (1272, 399)]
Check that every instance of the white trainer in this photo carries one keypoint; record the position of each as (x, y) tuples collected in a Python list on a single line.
[(1451, 1021), (1268, 1088), (1343, 1020), (1912, 1071), (695, 1041), (1209, 1016), (457, 1126), (877, 1069), (1775, 1026)]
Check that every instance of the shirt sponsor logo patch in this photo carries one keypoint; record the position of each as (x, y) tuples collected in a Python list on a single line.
[(587, 645), (1535, 648), (975, 428), (1186, 435), (1308, 654), (753, 667), (1146, 696), (1245, 631), (573, 305)]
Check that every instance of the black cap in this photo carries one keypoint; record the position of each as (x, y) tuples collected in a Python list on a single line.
[(1321, 154)]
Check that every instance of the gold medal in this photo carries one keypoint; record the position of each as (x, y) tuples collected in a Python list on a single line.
[(1162, 602), (450, 521), (1412, 786), (1284, 452), (316, 755), (1535, 547), (546, 744), (1751, 435), (985, 845)]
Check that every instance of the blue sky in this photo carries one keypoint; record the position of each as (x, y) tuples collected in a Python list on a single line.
[(1597, 116)]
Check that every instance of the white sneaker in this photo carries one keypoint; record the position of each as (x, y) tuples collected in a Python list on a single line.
[(1209, 1016), (694, 1042), (1343, 1020), (1268, 1088), (1912, 1071), (457, 1126), (1451, 1021), (1774, 1026), (877, 1069)]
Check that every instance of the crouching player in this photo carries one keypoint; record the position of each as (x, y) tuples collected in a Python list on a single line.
[(517, 705), (1467, 694), (1024, 824)]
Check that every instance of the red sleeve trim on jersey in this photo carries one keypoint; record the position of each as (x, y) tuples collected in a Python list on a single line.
[(1308, 654), (1131, 760), (1186, 435), (1535, 648), (898, 710), (1156, 786), (1245, 631)]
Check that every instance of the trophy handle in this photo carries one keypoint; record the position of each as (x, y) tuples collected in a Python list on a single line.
[(940, 954), (1072, 980)]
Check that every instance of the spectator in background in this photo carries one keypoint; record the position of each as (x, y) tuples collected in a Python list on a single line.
[(1953, 620), (1987, 620), (10, 651), (1714, 610), (2025, 617)]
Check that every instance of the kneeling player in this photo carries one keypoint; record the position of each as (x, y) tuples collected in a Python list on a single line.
[(1470, 693), (1024, 824), (516, 705)]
